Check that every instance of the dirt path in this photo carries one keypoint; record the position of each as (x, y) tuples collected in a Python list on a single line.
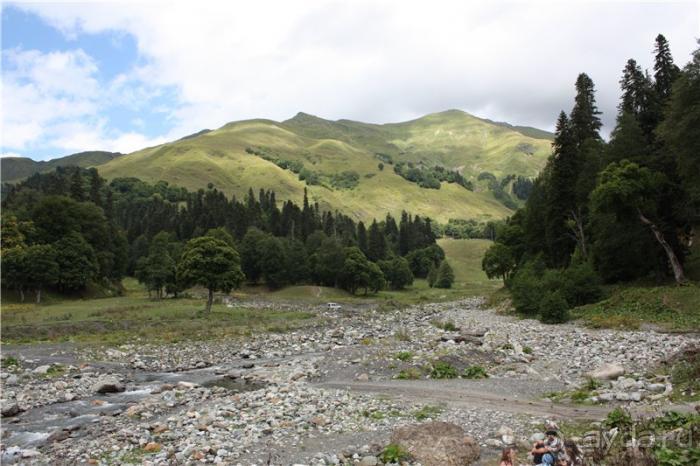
[(455, 396), (439, 393)]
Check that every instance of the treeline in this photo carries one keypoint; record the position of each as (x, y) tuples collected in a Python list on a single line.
[(344, 180), (609, 212), (430, 178), (97, 232)]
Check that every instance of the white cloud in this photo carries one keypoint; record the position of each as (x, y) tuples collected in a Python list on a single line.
[(376, 61), (54, 100)]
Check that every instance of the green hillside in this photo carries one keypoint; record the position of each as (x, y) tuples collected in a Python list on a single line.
[(18, 168), (268, 154)]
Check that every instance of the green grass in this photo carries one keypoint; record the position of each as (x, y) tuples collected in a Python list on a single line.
[(428, 412), (119, 319), (669, 307), (453, 139)]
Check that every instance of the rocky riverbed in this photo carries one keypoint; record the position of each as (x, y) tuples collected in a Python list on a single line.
[(329, 394)]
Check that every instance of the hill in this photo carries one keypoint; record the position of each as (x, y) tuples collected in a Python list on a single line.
[(17, 168), (349, 165)]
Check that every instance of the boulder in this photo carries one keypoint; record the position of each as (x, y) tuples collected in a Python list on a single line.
[(608, 371), (9, 410), (42, 369), (108, 384), (437, 444)]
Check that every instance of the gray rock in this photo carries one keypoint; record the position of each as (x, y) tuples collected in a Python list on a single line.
[(607, 371), (42, 369), (369, 461), (108, 384), (11, 409)]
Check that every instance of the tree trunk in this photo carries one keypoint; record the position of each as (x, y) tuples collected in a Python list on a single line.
[(579, 234), (21, 295), (210, 300), (672, 258), (38, 295)]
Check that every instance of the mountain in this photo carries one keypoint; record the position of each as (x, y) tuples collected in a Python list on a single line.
[(340, 162), (17, 168)]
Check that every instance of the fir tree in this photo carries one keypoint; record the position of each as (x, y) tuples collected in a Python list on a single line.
[(665, 71), (585, 121)]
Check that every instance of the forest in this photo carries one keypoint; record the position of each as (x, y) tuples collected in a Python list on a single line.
[(69, 229), (609, 212)]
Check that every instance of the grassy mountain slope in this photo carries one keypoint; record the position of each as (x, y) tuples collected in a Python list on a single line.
[(18, 168), (453, 139)]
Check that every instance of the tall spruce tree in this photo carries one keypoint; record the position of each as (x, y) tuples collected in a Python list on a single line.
[(376, 243), (560, 192), (665, 71), (585, 120)]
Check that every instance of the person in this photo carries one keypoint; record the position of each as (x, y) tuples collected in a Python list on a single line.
[(572, 453), (507, 457), (552, 448), (538, 452), (563, 462)]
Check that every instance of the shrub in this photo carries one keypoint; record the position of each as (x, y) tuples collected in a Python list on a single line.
[(618, 417), (447, 325), (581, 284), (345, 180), (526, 289), (411, 373), (9, 361), (443, 370), (404, 355), (554, 309), (475, 372), (394, 454)]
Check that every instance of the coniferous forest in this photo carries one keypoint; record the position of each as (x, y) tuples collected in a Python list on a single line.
[(609, 212), (69, 228)]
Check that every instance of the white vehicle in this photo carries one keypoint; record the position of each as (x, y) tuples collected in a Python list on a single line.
[(334, 306)]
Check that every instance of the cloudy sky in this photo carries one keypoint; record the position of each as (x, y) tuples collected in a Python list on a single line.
[(122, 76)]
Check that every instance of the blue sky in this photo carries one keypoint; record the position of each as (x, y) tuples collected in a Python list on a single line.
[(123, 76), (96, 63)]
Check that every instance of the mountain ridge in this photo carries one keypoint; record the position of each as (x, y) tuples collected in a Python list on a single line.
[(362, 169)]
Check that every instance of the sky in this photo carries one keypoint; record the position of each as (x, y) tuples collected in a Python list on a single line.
[(122, 76)]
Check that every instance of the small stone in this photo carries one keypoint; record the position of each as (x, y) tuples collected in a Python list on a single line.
[(152, 447), (362, 377), (368, 461), (42, 369)]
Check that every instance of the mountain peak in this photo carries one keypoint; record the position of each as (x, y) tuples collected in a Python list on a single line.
[(302, 116)]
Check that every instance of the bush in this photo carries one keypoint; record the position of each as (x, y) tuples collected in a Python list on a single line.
[(404, 355), (411, 373), (443, 370), (475, 372), (394, 454), (618, 417), (345, 180), (554, 309), (581, 284), (526, 289)]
